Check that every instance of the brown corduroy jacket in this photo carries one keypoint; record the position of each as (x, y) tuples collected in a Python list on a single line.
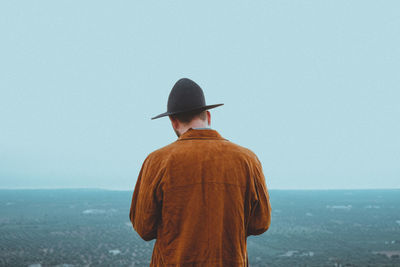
[(200, 197)]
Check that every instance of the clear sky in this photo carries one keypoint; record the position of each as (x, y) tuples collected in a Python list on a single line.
[(312, 87)]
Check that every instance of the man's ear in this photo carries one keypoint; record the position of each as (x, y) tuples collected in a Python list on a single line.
[(208, 118), (174, 122)]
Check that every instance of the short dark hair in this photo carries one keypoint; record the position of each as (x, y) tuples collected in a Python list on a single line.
[(187, 117)]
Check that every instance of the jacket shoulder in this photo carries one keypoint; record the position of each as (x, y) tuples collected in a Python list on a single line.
[(161, 154), (166, 153), (243, 151)]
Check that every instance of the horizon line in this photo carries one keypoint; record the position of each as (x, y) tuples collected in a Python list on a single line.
[(124, 189)]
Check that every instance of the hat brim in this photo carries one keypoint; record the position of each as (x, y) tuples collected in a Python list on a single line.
[(190, 110)]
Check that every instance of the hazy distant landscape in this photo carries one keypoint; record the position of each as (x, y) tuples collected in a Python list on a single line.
[(92, 228)]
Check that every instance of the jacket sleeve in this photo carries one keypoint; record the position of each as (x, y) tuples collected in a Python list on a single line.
[(260, 215), (146, 203)]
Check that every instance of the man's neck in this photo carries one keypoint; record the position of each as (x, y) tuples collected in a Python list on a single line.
[(197, 124)]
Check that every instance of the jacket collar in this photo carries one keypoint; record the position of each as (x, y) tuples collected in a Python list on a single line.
[(200, 134)]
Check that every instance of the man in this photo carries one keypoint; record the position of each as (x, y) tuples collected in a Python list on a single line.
[(200, 196)]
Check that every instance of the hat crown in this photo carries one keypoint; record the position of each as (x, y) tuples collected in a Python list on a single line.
[(185, 95)]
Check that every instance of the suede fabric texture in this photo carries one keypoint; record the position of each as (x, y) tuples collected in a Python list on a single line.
[(200, 197)]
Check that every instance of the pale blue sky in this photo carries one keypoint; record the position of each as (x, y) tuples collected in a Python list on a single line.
[(312, 87)]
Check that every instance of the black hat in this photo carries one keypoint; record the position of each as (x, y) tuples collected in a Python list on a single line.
[(185, 96)]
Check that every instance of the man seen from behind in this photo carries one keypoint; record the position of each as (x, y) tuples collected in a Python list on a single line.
[(201, 196)]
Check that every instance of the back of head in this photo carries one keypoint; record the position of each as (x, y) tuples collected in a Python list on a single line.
[(188, 117)]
